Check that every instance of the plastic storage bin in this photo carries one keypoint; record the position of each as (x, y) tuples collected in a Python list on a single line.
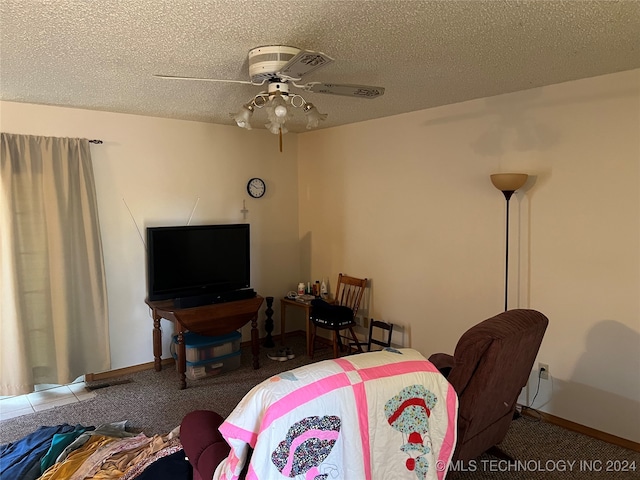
[(199, 348), (207, 356), (213, 366)]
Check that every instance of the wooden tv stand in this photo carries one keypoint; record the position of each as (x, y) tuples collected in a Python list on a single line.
[(211, 320)]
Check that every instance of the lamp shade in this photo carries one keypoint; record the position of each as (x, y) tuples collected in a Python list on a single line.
[(508, 182), (313, 116), (277, 111), (243, 116)]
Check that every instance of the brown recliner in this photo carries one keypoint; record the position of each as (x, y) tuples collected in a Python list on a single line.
[(490, 366)]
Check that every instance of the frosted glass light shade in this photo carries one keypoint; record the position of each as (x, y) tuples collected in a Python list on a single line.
[(508, 182), (243, 116), (313, 116), (277, 111), (275, 128)]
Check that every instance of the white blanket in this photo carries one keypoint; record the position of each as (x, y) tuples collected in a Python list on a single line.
[(380, 415)]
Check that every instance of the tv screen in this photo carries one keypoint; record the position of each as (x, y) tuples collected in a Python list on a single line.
[(196, 260)]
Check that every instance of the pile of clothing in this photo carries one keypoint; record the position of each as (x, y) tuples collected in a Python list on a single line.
[(105, 452)]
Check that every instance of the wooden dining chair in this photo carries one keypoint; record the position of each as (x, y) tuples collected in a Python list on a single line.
[(379, 334), (339, 315)]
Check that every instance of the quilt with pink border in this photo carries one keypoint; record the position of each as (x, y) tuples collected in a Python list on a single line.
[(378, 415)]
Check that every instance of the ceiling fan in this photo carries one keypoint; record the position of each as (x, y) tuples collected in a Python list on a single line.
[(281, 66)]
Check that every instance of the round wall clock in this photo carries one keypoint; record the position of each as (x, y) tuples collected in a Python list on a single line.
[(256, 187)]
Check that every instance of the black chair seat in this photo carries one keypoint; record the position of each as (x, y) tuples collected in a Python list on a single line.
[(334, 317)]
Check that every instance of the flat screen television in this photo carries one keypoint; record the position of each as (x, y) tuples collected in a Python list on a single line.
[(197, 261)]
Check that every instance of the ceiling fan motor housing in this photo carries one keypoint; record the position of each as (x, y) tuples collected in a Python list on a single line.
[(265, 62)]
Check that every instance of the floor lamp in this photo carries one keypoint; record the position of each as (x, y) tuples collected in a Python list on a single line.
[(508, 183)]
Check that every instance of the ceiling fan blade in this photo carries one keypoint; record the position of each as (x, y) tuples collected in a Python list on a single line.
[(362, 91), (173, 77), (305, 61)]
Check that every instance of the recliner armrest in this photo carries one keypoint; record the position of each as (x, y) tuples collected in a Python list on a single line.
[(203, 444), (443, 362)]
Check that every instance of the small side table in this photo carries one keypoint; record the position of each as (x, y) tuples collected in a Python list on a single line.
[(287, 302)]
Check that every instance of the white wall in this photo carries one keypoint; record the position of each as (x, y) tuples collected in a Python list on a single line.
[(406, 201), (160, 168)]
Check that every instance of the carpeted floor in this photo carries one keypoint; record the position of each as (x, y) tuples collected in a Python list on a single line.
[(546, 451), (152, 402)]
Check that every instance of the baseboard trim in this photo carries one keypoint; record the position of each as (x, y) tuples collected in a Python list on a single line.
[(584, 430), (93, 377), (276, 338)]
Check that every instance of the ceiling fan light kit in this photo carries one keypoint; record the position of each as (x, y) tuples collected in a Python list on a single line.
[(277, 102), (281, 66)]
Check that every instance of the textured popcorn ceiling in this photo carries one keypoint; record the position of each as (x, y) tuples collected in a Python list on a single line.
[(102, 54)]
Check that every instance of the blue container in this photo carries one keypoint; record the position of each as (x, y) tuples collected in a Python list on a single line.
[(200, 348)]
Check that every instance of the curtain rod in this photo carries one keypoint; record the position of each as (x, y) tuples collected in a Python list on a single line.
[(97, 142)]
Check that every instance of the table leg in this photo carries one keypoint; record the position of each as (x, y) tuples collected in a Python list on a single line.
[(255, 343), (182, 357), (157, 343), (283, 310), (307, 323)]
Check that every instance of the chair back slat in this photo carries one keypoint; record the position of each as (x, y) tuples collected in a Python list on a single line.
[(349, 292)]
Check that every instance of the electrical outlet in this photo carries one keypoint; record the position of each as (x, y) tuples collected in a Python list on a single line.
[(543, 371)]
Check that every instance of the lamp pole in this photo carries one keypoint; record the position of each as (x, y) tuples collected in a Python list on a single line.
[(507, 183), (507, 196)]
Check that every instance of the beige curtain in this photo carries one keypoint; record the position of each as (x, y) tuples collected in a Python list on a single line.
[(53, 303)]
